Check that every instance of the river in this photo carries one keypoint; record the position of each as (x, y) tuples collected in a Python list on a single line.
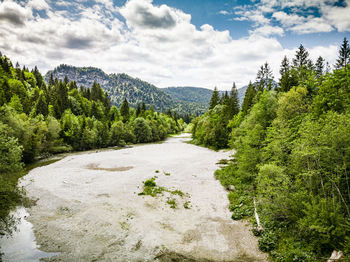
[(88, 207)]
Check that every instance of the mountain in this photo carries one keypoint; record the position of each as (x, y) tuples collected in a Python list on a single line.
[(183, 100), (198, 95), (118, 86), (189, 94)]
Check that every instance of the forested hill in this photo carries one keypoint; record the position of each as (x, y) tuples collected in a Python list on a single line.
[(190, 94), (183, 100), (118, 86), (198, 94)]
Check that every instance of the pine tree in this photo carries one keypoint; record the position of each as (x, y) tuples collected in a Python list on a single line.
[(138, 110), (344, 55), (233, 107), (124, 110), (287, 81), (264, 78), (214, 99), (51, 80), (301, 58), (143, 108), (66, 80), (41, 106), (248, 98), (319, 67)]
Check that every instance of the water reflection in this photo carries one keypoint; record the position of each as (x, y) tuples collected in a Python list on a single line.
[(21, 245)]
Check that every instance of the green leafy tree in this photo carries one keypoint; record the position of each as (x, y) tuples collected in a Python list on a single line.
[(142, 130)]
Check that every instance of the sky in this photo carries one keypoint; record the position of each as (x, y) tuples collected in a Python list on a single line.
[(202, 43)]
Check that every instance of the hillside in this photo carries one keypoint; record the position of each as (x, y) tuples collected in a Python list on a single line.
[(198, 95), (183, 100), (118, 86)]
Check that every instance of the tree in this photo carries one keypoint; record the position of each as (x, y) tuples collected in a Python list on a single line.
[(41, 106), (319, 70), (248, 98), (51, 80), (124, 110), (10, 152), (287, 81), (233, 102), (142, 130), (214, 99), (264, 78), (301, 58), (344, 55)]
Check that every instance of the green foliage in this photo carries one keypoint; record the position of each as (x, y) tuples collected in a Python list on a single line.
[(214, 100), (37, 120), (10, 152), (150, 188), (292, 156), (142, 130), (172, 203)]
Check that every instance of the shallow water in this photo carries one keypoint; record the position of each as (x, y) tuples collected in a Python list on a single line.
[(21, 245)]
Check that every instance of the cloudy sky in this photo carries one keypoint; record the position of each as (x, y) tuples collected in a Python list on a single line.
[(203, 43)]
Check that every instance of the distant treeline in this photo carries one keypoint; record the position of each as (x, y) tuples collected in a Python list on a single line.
[(292, 142)]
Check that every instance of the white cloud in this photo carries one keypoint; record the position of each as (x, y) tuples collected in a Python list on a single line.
[(156, 43), (38, 5), (313, 25), (338, 16), (224, 12), (299, 18), (288, 20), (268, 30)]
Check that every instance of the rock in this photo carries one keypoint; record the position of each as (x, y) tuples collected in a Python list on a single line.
[(231, 188), (336, 255)]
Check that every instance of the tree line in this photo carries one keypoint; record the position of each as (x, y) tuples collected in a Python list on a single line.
[(292, 156), (39, 119)]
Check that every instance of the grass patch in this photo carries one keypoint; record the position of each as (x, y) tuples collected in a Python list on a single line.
[(187, 205), (171, 202), (241, 199), (177, 192), (157, 171), (150, 188), (167, 174)]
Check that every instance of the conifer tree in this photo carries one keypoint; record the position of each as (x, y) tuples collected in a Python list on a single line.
[(124, 110), (138, 110), (41, 106), (51, 80), (301, 59), (214, 99), (287, 81), (248, 99), (319, 67), (344, 55), (233, 105), (264, 78)]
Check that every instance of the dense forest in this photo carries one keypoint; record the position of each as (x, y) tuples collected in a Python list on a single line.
[(39, 119), (292, 160), (135, 90)]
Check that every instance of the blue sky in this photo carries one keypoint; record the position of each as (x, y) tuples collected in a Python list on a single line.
[(170, 42)]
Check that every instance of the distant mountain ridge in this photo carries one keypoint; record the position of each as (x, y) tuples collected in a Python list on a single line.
[(183, 100)]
